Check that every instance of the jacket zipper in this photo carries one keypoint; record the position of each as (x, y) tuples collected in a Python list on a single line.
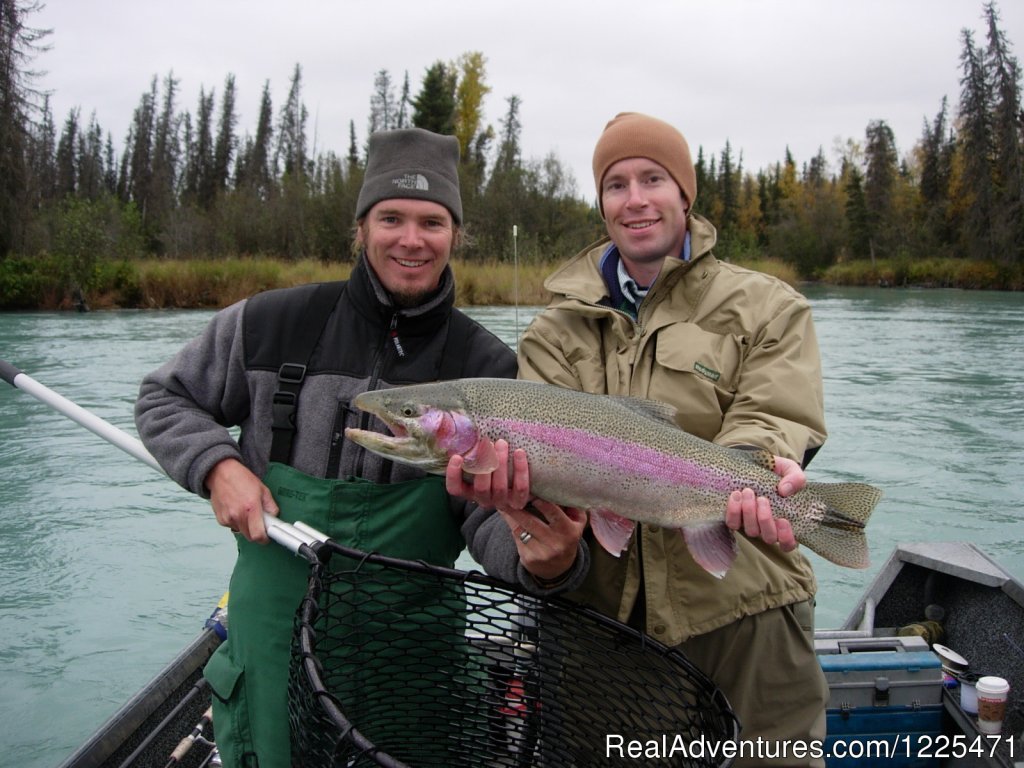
[(391, 335)]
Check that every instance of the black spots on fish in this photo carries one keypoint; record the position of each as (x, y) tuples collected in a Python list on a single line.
[(765, 459), (759, 457)]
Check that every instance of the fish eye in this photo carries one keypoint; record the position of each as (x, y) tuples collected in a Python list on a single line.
[(408, 410)]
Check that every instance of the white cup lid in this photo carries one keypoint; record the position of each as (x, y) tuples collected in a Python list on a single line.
[(992, 684)]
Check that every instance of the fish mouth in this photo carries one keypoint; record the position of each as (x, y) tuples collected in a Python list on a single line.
[(398, 430), (403, 433), (408, 442), (410, 448)]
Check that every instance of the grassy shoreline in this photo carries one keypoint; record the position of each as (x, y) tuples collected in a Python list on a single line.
[(214, 283)]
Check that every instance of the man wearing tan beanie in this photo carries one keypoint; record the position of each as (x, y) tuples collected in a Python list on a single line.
[(650, 312)]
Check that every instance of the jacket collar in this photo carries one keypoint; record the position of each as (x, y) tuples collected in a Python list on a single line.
[(373, 300), (581, 277)]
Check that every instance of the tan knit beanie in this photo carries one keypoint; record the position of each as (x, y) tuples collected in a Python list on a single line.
[(631, 134)]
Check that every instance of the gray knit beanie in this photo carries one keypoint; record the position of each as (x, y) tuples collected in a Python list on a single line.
[(411, 163)]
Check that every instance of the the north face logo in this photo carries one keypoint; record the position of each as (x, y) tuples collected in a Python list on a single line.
[(411, 181)]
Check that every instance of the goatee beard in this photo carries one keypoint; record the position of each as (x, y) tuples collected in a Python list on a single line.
[(408, 300)]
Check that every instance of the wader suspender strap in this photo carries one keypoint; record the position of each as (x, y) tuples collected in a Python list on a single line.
[(290, 376), (453, 358)]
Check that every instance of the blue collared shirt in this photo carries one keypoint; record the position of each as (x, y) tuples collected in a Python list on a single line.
[(624, 292)]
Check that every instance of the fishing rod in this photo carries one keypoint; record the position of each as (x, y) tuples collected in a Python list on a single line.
[(515, 277), (195, 736), (291, 537)]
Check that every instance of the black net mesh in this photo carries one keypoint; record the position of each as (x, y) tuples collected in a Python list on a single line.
[(403, 664)]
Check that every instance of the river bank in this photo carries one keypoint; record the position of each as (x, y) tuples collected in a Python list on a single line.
[(42, 283)]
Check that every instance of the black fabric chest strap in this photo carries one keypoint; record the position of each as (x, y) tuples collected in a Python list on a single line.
[(291, 375)]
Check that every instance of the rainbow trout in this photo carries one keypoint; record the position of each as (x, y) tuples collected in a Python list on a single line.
[(622, 459)]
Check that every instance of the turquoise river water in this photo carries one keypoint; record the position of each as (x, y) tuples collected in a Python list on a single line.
[(107, 568)]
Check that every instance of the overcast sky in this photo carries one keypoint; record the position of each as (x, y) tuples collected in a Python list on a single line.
[(762, 74)]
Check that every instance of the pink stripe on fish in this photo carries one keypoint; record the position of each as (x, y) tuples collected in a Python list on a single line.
[(608, 452)]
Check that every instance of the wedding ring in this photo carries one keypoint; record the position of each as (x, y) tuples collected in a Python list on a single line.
[(525, 536)]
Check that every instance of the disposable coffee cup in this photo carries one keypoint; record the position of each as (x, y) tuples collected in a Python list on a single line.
[(969, 692), (992, 695)]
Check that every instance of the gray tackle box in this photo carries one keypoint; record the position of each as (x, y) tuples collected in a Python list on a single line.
[(881, 689)]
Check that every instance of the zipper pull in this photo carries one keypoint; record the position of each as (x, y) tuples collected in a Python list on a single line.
[(393, 332)]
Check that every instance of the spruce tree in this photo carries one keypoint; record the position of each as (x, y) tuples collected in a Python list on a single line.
[(291, 132), (509, 152), (857, 216), (403, 104), (256, 171), (383, 109), (703, 177), (352, 159), (976, 151), (165, 166), (709, 197), (139, 152), (198, 182), (936, 153), (505, 191), (1008, 163), (19, 43), (67, 160), (42, 159), (91, 169), (728, 192), (292, 209), (224, 146), (764, 200), (816, 172), (109, 166), (880, 184), (434, 105)]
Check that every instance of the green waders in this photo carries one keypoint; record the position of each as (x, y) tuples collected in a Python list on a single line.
[(249, 672)]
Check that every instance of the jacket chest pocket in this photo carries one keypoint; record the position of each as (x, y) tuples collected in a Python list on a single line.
[(699, 371)]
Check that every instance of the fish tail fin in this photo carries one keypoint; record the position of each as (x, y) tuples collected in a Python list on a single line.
[(839, 536), (848, 503)]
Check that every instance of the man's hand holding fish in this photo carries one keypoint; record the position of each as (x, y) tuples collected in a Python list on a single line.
[(545, 534)]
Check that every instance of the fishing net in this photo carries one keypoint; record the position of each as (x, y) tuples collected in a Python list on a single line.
[(396, 663)]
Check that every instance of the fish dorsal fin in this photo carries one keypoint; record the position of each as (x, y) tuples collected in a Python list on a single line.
[(758, 456), (651, 409)]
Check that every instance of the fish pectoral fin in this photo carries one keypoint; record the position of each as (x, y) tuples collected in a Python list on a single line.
[(481, 458), (612, 531), (713, 545)]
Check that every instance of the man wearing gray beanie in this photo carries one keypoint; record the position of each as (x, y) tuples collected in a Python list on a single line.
[(284, 366), (650, 312)]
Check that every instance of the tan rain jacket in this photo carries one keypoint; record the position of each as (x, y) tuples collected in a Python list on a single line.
[(735, 351)]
